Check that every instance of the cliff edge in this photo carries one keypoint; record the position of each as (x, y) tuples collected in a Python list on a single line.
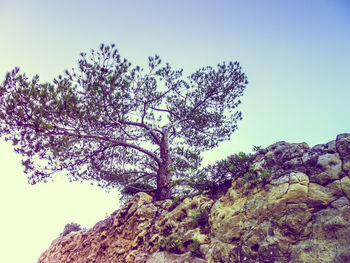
[(301, 214)]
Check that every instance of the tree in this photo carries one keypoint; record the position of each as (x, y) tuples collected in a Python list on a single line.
[(119, 125)]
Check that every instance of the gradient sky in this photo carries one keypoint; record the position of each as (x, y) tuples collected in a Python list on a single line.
[(296, 55)]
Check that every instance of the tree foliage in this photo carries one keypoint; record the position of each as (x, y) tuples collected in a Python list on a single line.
[(120, 125), (70, 227), (217, 178)]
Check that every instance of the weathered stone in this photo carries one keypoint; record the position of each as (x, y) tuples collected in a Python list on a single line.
[(345, 185), (297, 193), (204, 249), (195, 234), (174, 258), (320, 196), (136, 256), (299, 178), (280, 180), (329, 166), (276, 204), (297, 216), (222, 252), (342, 255), (310, 157), (277, 192), (283, 157), (330, 240), (329, 147), (339, 203), (283, 150), (229, 229)]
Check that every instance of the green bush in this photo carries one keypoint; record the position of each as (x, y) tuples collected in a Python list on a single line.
[(196, 248), (216, 178), (200, 217), (70, 228), (172, 244), (253, 177)]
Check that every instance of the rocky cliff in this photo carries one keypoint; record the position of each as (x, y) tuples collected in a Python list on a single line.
[(302, 214)]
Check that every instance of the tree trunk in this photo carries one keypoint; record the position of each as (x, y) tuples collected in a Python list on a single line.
[(163, 183), (163, 174)]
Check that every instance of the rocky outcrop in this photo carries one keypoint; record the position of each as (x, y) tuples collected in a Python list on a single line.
[(301, 214)]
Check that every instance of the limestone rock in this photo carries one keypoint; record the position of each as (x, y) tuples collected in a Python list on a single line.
[(320, 196), (174, 258), (345, 185), (330, 165), (330, 232), (301, 214), (283, 157)]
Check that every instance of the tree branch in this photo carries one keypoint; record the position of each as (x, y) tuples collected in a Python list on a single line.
[(114, 143)]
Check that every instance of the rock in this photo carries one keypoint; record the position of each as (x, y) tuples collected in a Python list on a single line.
[(329, 147), (342, 256), (299, 178), (339, 203), (283, 157), (297, 193), (295, 219), (223, 252), (330, 242), (321, 196), (167, 257), (345, 185), (300, 214), (331, 169), (280, 180), (323, 168)]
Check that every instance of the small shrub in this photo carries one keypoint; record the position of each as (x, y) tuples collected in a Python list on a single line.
[(200, 217), (253, 177), (70, 228), (196, 248), (171, 244), (216, 178), (265, 174)]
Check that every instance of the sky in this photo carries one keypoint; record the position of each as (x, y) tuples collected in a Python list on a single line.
[(295, 54)]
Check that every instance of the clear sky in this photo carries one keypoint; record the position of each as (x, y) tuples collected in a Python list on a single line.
[(296, 55)]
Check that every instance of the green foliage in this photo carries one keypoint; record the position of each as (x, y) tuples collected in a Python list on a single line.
[(217, 178), (200, 217), (253, 177), (70, 228), (120, 125), (196, 248), (133, 188), (172, 244)]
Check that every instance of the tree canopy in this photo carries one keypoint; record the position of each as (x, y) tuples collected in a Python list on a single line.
[(122, 126)]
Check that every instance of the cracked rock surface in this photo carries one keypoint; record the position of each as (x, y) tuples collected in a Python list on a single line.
[(302, 214)]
